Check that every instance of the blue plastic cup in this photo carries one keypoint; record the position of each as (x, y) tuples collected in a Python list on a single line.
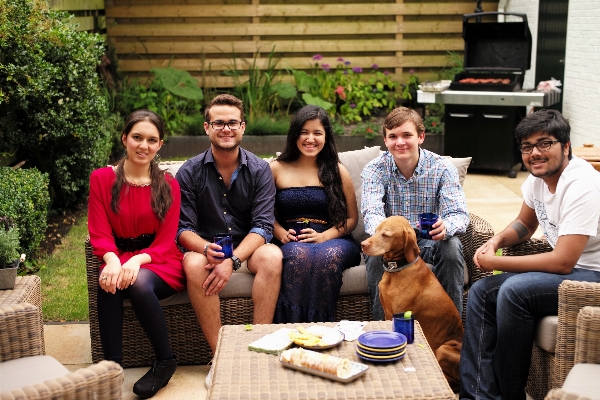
[(298, 226), (225, 241), (405, 326), (426, 221)]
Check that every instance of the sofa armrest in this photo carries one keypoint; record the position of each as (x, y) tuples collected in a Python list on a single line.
[(559, 394), (20, 334), (572, 297), (103, 380), (587, 336), (478, 232)]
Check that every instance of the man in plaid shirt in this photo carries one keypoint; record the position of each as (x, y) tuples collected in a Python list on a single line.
[(407, 180)]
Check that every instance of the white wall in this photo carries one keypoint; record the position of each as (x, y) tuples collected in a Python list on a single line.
[(581, 97)]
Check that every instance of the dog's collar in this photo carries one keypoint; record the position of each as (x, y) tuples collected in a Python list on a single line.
[(397, 265)]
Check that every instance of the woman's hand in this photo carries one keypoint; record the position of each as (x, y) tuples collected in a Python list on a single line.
[(109, 275), (129, 273), (290, 236), (309, 235)]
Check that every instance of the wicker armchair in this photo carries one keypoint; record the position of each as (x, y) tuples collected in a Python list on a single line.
[(25, 373), (185, 335), (577, 385), (549, 370)]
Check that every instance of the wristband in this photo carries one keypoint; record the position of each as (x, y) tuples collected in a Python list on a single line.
[(206, 248)]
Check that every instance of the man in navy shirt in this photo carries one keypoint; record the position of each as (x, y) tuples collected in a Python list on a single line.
[(227, 189)]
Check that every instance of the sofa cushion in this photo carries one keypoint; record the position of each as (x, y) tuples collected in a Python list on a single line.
[(461, 165), (582, 380), (545, 333), (28, 371), (355, 161)]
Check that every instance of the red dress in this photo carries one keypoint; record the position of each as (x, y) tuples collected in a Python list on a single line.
[(135, 218)]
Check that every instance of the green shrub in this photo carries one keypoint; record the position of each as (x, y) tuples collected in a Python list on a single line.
[(263, 126), (52, 110), (9, 242), (24, 198)]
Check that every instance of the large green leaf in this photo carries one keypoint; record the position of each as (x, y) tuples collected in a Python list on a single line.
[(179, 82), (284, 90), (316, 101), (304, 82)]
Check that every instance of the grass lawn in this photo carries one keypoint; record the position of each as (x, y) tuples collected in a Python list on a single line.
[(64, 285)]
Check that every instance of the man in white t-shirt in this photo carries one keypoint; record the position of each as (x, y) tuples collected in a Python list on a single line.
[(562, 195)]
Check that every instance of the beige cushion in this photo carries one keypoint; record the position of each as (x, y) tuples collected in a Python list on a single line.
[(355, 161), (171, 166), (27, 371), (461, 165), (545, 333), (582, 380), (354, 281)]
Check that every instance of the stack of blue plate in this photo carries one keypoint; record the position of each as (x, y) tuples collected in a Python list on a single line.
[(381, 346)]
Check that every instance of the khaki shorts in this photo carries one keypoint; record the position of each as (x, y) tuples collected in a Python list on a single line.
[(243, 269)]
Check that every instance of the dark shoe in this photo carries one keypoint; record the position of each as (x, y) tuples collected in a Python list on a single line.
[(155, 379)]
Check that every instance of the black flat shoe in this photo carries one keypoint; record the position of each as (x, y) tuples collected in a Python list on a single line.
[(156, 378)]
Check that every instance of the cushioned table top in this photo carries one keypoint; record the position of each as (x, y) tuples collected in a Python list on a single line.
[(243, 374)]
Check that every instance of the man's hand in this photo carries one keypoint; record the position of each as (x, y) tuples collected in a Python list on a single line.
[(439, 230), (218, 277), (483, 255)]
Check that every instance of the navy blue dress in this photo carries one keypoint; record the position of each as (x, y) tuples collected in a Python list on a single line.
[(312, 272)]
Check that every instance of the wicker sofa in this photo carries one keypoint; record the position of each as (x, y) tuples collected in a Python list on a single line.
[(582, 381), (186, 336), (26, 373)]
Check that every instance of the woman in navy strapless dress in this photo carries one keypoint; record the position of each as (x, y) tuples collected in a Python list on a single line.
[(313, 185)]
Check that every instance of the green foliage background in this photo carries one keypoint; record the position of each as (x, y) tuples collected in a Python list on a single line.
[(52, 110), (24, 198)]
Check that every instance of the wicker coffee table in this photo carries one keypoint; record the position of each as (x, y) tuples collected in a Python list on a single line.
[(243, 374)]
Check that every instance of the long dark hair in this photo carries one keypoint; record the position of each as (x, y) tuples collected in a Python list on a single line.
[(327, 161), (161, 198)]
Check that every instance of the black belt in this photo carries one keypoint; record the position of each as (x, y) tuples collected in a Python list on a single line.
[(133, 244)]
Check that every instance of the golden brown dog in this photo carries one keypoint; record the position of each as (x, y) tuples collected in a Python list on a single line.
[(416, 288)]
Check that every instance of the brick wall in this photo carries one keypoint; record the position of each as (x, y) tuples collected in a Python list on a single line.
[(581, 99)]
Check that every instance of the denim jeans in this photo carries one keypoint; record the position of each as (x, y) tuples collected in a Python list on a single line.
[(448, 262), (499, 330)]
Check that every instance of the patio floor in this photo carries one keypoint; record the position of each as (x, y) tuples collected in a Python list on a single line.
[(494, 197)]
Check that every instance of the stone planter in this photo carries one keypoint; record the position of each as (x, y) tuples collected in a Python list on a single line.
[(8, 276)]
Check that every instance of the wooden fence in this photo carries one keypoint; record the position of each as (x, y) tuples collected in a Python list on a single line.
[(88, 14), (206, 37)]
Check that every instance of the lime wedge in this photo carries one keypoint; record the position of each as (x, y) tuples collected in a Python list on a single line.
[(408, 314)]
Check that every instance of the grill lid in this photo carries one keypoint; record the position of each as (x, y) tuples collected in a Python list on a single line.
[(496, 45)]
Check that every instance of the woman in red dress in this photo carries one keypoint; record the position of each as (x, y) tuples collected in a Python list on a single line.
[(132, 219)]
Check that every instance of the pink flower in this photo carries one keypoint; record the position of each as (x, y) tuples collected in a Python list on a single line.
[(411, 71), (340, 59), (358, 70), (325, 67), (340, 92), (386, 72), (374, 66), (317, 57)]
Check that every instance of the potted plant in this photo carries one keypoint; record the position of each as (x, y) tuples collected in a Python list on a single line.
[(9, 254)]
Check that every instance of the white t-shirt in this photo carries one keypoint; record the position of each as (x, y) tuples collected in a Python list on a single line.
[(574, 209)]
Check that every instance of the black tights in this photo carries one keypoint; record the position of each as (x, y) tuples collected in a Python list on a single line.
[(144, 295)]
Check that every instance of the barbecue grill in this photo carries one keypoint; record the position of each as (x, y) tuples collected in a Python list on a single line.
[(485, 102)]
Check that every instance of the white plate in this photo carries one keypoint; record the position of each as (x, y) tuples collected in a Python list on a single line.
[(358, 369), (331, 337)]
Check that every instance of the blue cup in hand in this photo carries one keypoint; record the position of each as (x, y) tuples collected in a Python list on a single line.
[(405, 326), (298, 226), (426, 221), (226, 242)]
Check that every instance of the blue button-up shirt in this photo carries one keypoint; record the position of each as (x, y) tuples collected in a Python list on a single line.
[(434, 187), (209, 207)]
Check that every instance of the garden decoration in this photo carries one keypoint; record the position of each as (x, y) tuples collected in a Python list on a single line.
[(9, 255)]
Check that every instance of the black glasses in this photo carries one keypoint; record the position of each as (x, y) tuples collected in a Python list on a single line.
[(219, 125), (541, 146)]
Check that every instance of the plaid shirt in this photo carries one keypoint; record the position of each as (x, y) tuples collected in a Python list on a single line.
[(434, 187)]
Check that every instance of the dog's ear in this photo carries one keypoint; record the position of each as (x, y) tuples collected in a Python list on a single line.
[(411, 249)]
